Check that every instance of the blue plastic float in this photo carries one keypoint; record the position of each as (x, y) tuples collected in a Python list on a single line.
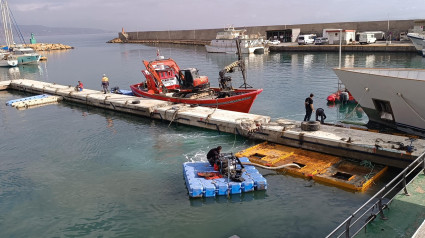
[(201, 187), (9, 103), (127, 92)]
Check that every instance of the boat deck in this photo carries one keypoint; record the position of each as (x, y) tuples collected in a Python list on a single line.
[(328, 169), (405, 216)]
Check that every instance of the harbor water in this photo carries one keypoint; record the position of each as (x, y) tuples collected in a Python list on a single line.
[(68, 170)]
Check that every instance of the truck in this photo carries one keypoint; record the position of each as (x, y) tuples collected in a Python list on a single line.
[(306, 39), (367, 38)]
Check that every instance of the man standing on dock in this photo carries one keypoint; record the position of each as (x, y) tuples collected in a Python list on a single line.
[(308, 107), (105, 83)]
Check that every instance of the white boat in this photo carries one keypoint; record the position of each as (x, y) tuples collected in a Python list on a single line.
[(8, 60), (25, 55), (392, 97), (418, 40), (225, 42)]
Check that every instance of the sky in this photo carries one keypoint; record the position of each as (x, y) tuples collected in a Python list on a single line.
[(159, 15)]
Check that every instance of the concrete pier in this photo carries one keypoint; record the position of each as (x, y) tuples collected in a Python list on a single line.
[(378, 148)]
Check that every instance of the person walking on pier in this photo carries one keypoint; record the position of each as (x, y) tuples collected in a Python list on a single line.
[(308, 107), (320, 113), (105, 83)]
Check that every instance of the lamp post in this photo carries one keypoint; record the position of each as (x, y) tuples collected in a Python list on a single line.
[(340, 46), (339, 66)]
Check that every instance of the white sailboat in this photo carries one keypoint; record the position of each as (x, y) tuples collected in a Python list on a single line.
[(23, 54), (392, 97)]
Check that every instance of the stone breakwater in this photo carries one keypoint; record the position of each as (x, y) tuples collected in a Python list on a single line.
[(182, 42), (49, 46)]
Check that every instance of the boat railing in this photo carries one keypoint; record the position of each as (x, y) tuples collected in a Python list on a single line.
[(376, 205)]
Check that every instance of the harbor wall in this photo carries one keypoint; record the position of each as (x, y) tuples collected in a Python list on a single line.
[(393, 26)]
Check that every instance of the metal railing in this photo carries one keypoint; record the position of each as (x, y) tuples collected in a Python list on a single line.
[(376, 205)]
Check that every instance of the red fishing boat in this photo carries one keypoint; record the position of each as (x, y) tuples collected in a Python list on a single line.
[(166, 81)]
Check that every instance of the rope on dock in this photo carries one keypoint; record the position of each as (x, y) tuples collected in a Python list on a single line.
[(176, 110)]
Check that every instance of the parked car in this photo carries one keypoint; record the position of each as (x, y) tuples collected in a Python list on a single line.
[(321, 41), (275, 42), (306, 39), (367, 38)]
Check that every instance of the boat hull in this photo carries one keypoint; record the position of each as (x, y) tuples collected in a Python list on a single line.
[(8, 63), (418, 41), (392, 97), (241, 102), (28, 59), (233, 50)]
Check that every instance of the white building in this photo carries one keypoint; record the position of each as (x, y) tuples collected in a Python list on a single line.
[(348, 36), (419, 27)]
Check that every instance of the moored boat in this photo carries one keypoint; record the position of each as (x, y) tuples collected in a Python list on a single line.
[(8, 60), (341, 96), (225, 42), (418, 41), (392, 97), (166, 81), (240, 101), (24, 55)]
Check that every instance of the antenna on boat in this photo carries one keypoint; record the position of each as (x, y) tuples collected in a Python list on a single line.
[(241, 65)]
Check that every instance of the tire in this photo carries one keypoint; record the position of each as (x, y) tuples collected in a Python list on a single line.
[(310, 125)]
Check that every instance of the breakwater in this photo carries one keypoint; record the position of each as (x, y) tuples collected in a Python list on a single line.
[(394, 26), (49, 46)]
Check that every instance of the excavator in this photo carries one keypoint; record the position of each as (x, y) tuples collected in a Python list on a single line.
[(163, 75), (225, 82)]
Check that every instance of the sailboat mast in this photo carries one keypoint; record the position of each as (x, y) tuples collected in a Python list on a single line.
[(7, 23)]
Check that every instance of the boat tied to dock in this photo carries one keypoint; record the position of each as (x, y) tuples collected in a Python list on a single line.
[(389, 96), (225, 42), (166, 81)]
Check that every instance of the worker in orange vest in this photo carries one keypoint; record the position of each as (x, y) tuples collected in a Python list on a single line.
[(105, 84)]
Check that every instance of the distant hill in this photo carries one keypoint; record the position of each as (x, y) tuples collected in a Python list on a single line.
[(39, 30)]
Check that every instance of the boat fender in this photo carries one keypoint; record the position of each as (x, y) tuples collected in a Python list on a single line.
[(310, 125), (135, 102)]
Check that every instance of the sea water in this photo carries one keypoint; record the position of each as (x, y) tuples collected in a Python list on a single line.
[(68, 170)]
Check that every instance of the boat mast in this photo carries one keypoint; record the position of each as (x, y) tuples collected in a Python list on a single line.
[(7, 23), (241, 65)]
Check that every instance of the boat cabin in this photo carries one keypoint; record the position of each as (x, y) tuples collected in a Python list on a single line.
[(190, 79), (167, 77)]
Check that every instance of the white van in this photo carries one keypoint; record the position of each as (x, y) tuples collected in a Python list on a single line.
[(367, 38), (306, 39)]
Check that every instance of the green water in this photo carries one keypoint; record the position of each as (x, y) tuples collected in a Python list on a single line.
[(75, 171)]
